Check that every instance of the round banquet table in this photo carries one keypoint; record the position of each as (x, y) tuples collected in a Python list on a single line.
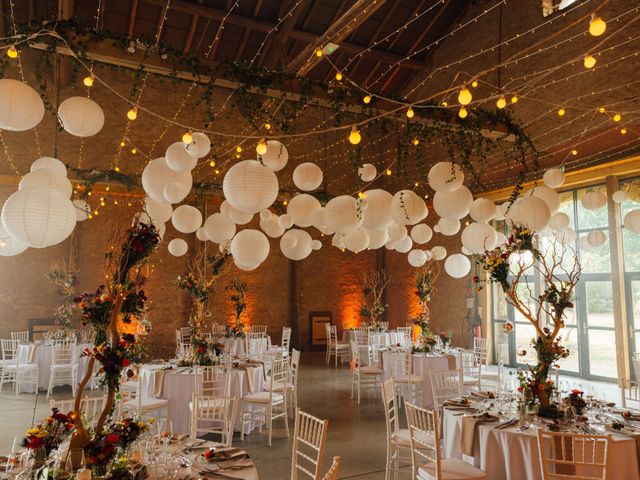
[(239, 343), (507, 454), (178, 385), (250, 472)]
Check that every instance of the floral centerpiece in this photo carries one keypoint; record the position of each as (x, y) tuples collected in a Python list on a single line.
[(238, 299), (445, 337), (49, 433), (373, 304), (114, 437), (204, 351), (576, 400)]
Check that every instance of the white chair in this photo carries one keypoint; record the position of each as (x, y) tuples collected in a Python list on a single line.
[(218, 330), (286, 340), (309, 438), (14, 370), (426, 462), (481, 351), (631, 388), (20, 336), (362, 341), (185, 335), (562, 454), (183, 349), (290, 388), (334, 347), (384, 326), (139, 404), (261, 329), (254, 344), (268, 406), (398, 441), (377, 343), (470, 371), (401, 368), (445, 385), (213, 414), (212, 381), (334, 471), (64, 365), (91, 407), (363, 374)]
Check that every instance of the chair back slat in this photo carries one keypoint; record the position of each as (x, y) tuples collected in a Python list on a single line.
[(10, 350), (564, 455), (22, 336), (334, 471), (445, 385), (261, 329), (390, 407), (218, 414), (63, 353), (309, 439), (212, 380), (286, 338), (425, 437)]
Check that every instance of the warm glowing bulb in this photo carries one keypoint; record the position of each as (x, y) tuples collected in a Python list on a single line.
[(589, 61), (514, 99), (602, 109), (464, 96), (354, 136), (3, 243), (318, 52), (267, 126), (217, 172), (388, 172), (134, 150), (338, 76), (117, 169), (12, 52), (261, 148), (463, 112), (501, 103), (285, 203), (187, 137), (95, 212), (212, 163), (597, 26), (445, 104), (561, 112), (90, 216), (410, 112), (574, 152), (617, 117), (102, 204), (238, 149), (122, 144), (88, 81), (361, 195), (132, 114), (367, 99), (416, 141), (623, 131), (474, 84), (237, 155)]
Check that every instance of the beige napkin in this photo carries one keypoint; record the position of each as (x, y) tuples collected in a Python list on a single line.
[(451, 359), (485, 395), (468, 432), (32, 353), (158, 382), (249, 369)]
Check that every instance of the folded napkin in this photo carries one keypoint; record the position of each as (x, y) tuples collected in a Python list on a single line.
[(468, 431), (457, 402), (451, 359), (249, 370), (485, 395), (158, 382)]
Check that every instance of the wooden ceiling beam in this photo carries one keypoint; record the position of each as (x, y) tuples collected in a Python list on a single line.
[(192, 32), (274, 50), (132, 17)]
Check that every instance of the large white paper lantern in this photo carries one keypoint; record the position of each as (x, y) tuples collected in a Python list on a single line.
[(271, 227), (302, 245), (367, 172), (219, 228), (200, 145), (417, 258), (318, 218), (438, 252), (632, 221), (403, 245), (316, 245), (531, 212), (186, 219), (584, 245), (478, 237), (201, 235), (553, 178), (548, 195), (157, 175), (250, 247), (357, 240), (457, 265), (596, 238), (179, 159), (445, 177), (448, 227), (559, 221), (338, 241), (38, 217), (178, 247), (482, 210), (566, 236), (159, 212), (594, 200), (501, 239), (377, 216), (408, 208), (307, 176), (620, 196), (377, 238), (83, 209), (235, 215), (421, 233), (48, 179), (9, 246), (265, 214), (500, 211), (21, 107), (276, 156), (49, 163), (397, 232), (300, 207), (80, 116), (453, 205), (250, 187), (342, 214)]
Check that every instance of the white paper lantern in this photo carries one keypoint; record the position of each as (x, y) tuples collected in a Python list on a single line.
[(438, 252), (250, 187), (466, 251), (338, 241), (179, 159), (632, 221), (403, 245), (318, 218), (201, 235), (159, 212), (80, 116), (307, 176), (9, 246), (48, 179), (161, 229), (276, 157), (316, 245), (584, 244), (219, 228), (378, 213), (417, 258), (200, 145), (38, 217), (453, 205), (178, 247), (265, 214), (83, 209), (244, 268), (479, 237), (367, 172), (21, 107), (445, 177), (546, 194), (501, 239), (408, 208), (421, 233), (620, 196), (250, 247), (235, 215), (271, 227), (482, 210), (342, 214), (186, 219), (285, 221), (302, 247), (357, 240), (500, 211), (596, 238), (553, 178), (289, 242), (157, 175), (448, 227), (49, 163), (531, 212), (457, 265), (566, 236), (594, 200), (390, 245), (300, 207), (397, 232), (559, 221), (377, 238)]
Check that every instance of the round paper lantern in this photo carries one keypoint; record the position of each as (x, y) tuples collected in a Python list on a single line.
[(408, 208), (49, 163), (438, 252), (531, 212), (378, 213), (265, 214), (200, 145), (479, 237), (632, 221), (179, 159), (466, 251), (448, 227), (302, 247), (357, 240), (157, 175), (285, 221), (289, 242), (338, 241), (38, 217), (276, 156), (546, 194), (620, 196), (403, 245), (83, 209), (235, 215), (566, 235), (342, 215), (178, 247), (21, 107), (80, 116), (453, 205), (219, 228), (594, 200), (397, 232), (250, 187), (301, 207), (457, 265), (318, 218), (244, 268), (9, 246), (445, 177), (142, 217), (559, 221), (186, 219), (417, 258), (377, 238), (48, 179), (250, 247), (421, 233), (316, 245), (307, 176), (553, 178), (584, 244), (501, 210), (201, 235), (161, 229), (501, 239), (159, 212), (367, 172), (482, 210), (596, 238), (271, 227)]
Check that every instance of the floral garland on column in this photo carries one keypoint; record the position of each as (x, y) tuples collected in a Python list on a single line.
[(425, 280)]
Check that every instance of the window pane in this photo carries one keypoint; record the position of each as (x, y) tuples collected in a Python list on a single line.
[(591, 218), (524, 334), (526, 293), (597, 260), (599, 304), (631, 247), (570, 340), (501, 343), (499, 304), (633, 202), (635, 303), (602, 353), (566, 206)]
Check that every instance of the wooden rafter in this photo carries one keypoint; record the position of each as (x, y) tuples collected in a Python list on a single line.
[(247, 32), (192, 32), (132, 17), (275, 47)]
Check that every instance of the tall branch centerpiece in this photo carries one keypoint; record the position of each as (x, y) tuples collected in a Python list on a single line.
[(425, 280), (373, 296)]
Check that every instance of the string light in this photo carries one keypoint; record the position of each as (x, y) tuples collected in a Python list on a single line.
[(187, 137), (463, 112), (132, 114), (388, 171), (319, 52), (597, 26), (602, 109), (261, 148), (502, 102), (474, 84), (445, 104), (239, 149), (12, 52), (354, 136), (589, 61), (339, 76), (561, 112), (88, 81), (410, 112), (464, 96), (117, 169), (514, 99), (267, 126), (367, 99), (416, 142), (617, 117), (134, 150), (122, 144), (574, 152), (361, 195), (212, 163), (623, 130)]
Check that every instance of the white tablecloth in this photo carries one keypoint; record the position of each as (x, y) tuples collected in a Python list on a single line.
[(239, 343), (41, 354), (178, 389), (507, 454)]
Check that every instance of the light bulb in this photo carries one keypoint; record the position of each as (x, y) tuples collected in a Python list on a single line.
[(217, 172), (574, 152), (589, 60), (410, 112), (445, 104), (416, 141), (238, 149), (318, 52), (3, 243), (463, 112), (338, 76), (623, 131), (117, 169), (514, 99), (354, 136), (212, 163), (285, 203), (12, 52), (474, 84), (602, 109), (561, 112), (617, 117), (464, 96), (88, 81), (367, 99), (267, 126), (361, 195), (122, 144), (597, 26), (501, 103), (388, 172), (134, 150), (132, 114), (187, 137), (261, 148)]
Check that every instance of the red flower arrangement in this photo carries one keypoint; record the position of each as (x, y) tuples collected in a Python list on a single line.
[(117, 435), (49, 433)]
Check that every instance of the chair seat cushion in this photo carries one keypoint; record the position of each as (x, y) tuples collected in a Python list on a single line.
[(490, 376), (368, 370), (146, 403), (279, 387), (402, 437), (262, 397), (452, 469), (23, 367), (407, 379), (470, 380)]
